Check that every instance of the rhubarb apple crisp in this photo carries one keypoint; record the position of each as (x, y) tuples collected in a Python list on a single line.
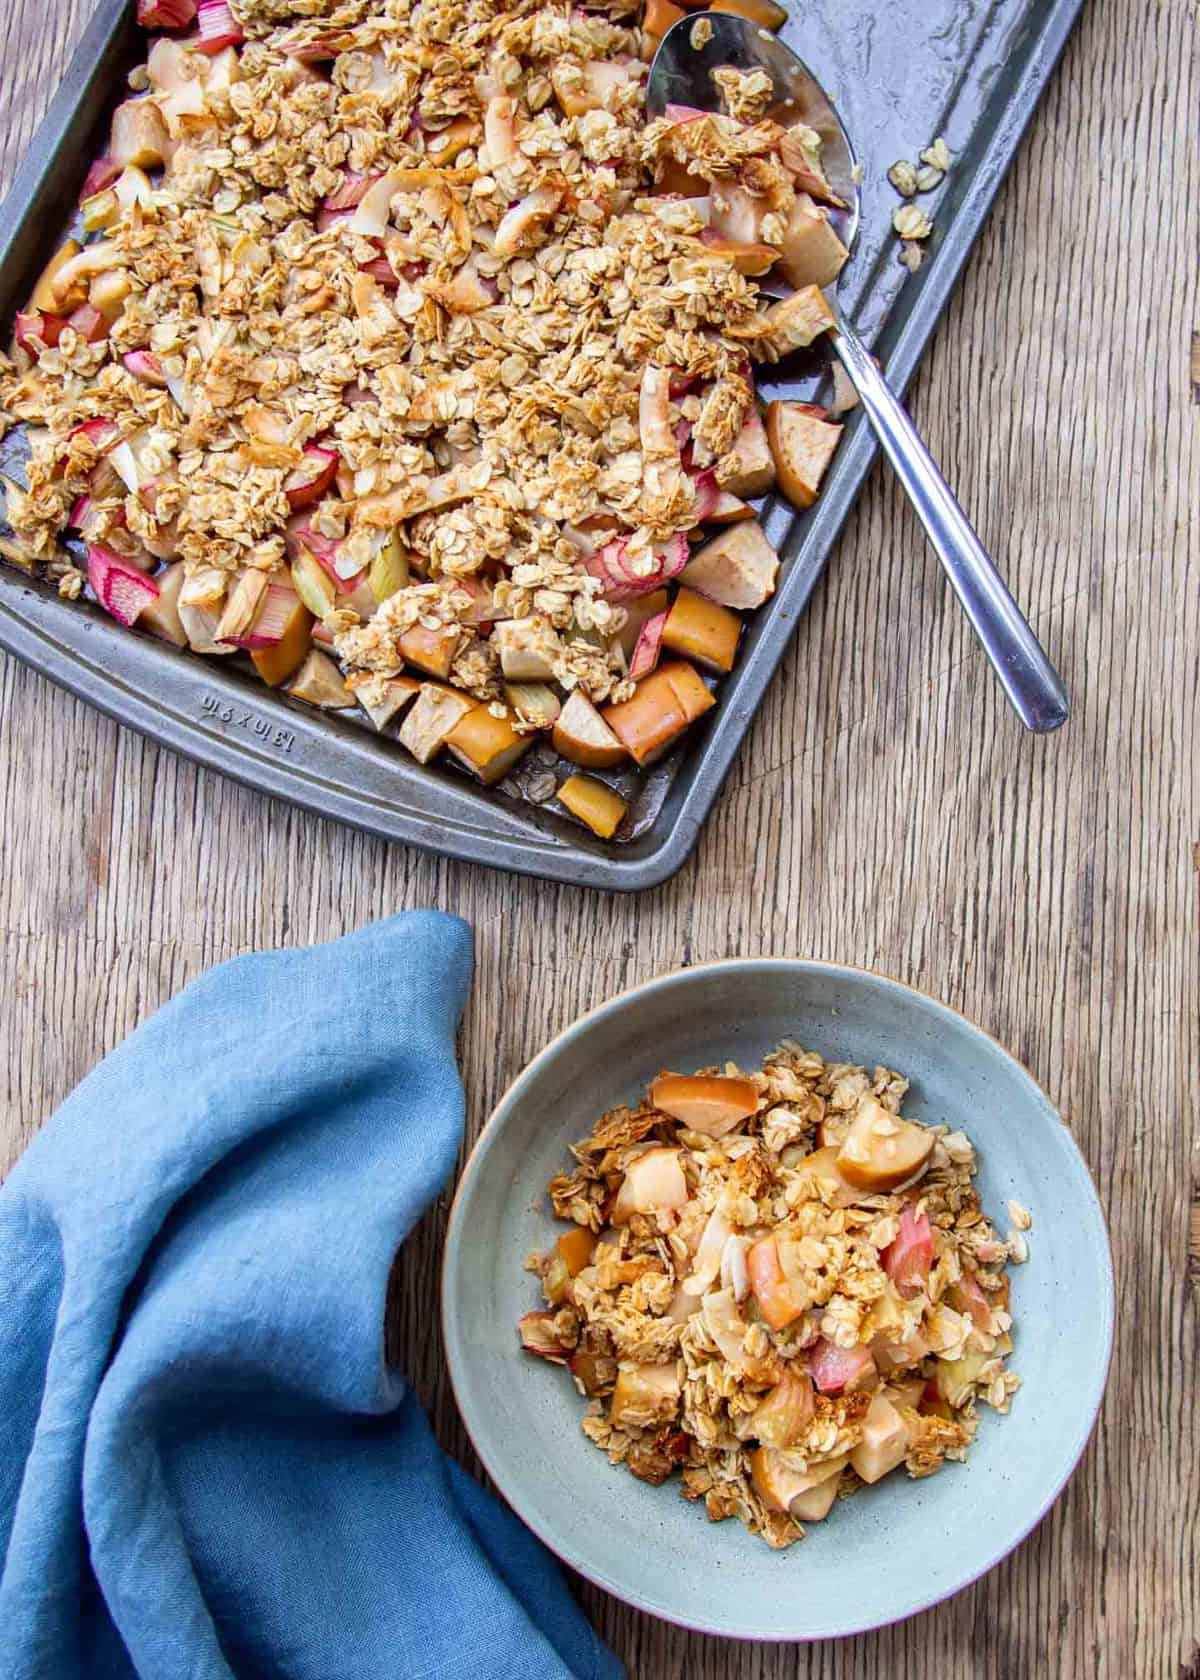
[(777, 1285), (395, 351)]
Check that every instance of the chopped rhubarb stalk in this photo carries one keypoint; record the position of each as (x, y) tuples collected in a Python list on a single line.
[(838, 1370), (389, 569), (145, 365), (351, 193), (327, 218), (309, 482), (218, 28), (89, 323), (100, 176), (776, 1302), (381, 271), (784, 1416), (103, 433), (965, 1296), (706, 496), (118, 585), (537, 1333), (166, 14), (313, 583), (648, 648), (241, 607), (271, 619), (81, 513), (299, 535), (652, 1181), (37, 331), (627, 573), (684, 113), (594, 804), (908, 1260), (712, 1104)]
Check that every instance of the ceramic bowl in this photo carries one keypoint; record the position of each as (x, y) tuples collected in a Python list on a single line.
[(896, 1548)]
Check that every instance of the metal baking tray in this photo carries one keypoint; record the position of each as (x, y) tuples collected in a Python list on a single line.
[(901, 74)]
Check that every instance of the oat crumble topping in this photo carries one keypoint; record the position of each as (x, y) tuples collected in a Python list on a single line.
[(777, 1285), (393, 323)]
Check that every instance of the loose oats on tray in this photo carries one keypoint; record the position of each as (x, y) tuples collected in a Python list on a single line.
[(777, 1285), (396, 351)]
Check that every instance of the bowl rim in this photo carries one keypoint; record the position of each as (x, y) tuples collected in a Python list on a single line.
[(454, 1347)]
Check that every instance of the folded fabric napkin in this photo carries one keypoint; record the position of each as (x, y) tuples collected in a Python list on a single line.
[(207, 1468)]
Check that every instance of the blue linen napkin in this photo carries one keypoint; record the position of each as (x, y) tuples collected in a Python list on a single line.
[(207, 1468)]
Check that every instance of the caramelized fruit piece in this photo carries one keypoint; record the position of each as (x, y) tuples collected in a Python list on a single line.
[(803, 446), (594, 804), (702, 630), (882, 1151), (709, 1103)]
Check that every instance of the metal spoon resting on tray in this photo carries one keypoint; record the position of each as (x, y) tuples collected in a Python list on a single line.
[(681, 75)]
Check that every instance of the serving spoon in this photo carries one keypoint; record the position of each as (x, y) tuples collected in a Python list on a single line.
[(681, 74)]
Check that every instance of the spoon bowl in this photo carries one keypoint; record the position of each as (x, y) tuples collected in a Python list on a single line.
[(681, 74)]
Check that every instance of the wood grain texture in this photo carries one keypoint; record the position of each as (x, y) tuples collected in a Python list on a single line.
[(886, 810)]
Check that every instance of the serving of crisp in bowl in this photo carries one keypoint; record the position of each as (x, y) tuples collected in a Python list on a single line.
[(844, 1276)]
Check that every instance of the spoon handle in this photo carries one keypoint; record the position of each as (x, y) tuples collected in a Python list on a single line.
[(1030, 681)]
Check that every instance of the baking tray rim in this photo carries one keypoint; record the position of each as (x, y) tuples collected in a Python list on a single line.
[(638, 866)]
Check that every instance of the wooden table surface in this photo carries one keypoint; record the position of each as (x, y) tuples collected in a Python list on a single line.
[(886, 810)]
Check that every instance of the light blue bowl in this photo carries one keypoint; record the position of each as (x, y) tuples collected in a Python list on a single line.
[(896, 1548)]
